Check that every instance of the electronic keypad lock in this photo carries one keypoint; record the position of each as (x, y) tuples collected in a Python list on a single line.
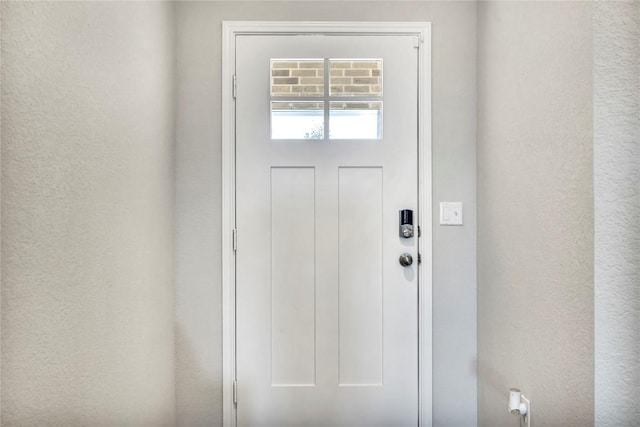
[(406, 223)]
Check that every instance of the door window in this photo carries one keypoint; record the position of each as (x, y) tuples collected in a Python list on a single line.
[(351, 92)]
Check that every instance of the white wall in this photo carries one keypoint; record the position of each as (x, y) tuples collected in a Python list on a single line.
[(87, 200), (617, 211), (0, 216), (535, 211), (198, 186)]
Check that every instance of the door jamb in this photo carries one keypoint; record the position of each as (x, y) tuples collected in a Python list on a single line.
[(425, 346)]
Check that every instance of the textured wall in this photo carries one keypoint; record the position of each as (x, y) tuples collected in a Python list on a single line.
[(198, 203), (0, 215), (535, 211), (87, 199), (617, 212)]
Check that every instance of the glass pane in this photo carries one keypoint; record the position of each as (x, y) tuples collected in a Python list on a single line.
[(297, 120), (297, 77), (356, 77), (355, 120)]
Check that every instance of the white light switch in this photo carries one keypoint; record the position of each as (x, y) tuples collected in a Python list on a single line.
[(450, 213)]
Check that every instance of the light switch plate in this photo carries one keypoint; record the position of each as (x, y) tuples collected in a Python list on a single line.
[(451, 213)]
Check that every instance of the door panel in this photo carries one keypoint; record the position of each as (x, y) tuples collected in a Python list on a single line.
[(360, 289), (326, 318), (293, 265)]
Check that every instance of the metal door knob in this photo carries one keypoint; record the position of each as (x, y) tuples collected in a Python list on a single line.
[(405, 260)]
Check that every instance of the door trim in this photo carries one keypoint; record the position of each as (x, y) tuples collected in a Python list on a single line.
[(422, 30)]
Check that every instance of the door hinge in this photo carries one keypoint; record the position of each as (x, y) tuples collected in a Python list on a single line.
[(235, 392), (417, 41), (419, 232), (235, 239), (419, 259), (235, 86)]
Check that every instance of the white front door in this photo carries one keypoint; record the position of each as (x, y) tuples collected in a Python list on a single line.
[(326, 157)]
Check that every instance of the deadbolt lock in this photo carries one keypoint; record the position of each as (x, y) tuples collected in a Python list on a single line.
[(406, 223)]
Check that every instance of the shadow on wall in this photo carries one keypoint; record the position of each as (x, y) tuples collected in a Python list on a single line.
[(195, 379), (495, 393)]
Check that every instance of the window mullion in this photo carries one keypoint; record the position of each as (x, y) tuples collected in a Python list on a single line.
[(327, 79)]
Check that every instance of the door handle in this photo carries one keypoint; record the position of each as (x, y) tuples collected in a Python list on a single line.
[(405, 260)]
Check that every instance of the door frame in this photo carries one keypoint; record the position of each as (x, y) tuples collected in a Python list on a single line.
[(422, 31)]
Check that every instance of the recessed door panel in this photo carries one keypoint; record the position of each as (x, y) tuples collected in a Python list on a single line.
[(293, 265), (360, 278)]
